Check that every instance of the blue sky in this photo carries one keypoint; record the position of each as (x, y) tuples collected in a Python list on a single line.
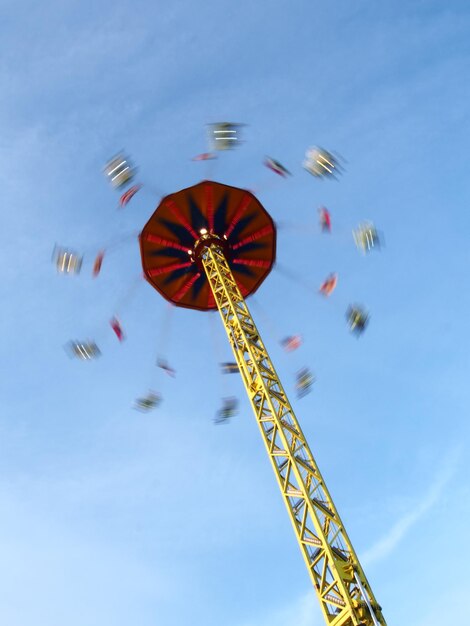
[(109, 516)]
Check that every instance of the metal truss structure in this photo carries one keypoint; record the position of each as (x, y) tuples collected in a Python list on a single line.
[(342, 588)]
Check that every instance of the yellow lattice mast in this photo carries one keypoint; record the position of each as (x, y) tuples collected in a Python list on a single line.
[(344, 593)]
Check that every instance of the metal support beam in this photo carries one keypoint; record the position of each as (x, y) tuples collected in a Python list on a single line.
[(345, 596)]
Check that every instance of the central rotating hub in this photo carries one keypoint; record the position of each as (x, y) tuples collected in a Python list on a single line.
[(190, 220), (208, 239)]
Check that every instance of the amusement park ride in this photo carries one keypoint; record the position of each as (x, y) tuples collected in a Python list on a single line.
[(208, 247)]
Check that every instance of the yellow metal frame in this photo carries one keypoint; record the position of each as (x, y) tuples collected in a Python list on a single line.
[(345, 596)]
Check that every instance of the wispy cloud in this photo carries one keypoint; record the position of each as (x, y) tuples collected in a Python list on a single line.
[(393, 537)]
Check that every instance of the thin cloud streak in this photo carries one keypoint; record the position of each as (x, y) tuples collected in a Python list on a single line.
[(387, 544)]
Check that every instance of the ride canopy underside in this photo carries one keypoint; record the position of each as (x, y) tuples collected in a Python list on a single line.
[(233, 216)]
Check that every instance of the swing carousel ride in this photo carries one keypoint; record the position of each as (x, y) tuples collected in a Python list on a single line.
[(209, 247)]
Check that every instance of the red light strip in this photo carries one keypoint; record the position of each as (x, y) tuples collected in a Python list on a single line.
[(177, 213), (266, 230), (186, 287), (164, 242), (238, 213), (209, 205), (252, 262), (167, 268)]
